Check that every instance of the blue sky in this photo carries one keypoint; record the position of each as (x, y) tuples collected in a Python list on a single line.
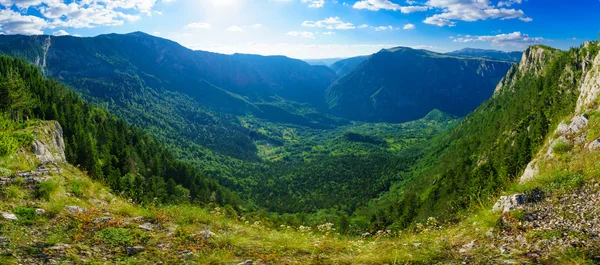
[(316, 28)]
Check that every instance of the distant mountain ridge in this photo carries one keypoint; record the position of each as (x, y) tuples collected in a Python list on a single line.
[(344, 66), (514, 57), (401, 84)]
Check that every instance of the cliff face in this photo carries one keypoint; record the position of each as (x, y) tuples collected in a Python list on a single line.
[(576, 132), (49, 145), (533, 61)]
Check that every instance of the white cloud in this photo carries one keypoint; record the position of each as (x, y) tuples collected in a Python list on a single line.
[(73, 14), (15, 23), (409, 26), (363, 26), (303, 34), (382, 28), (376, 5), (257, 26), (314, 3), (509, 2), (234, 28), (328, 33), (470, 10), (198, 25), (60, 33), (515, 39), (329, 23)]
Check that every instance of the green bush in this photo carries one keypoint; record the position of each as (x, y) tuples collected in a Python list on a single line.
[(115, 236), (562, 147), (46, 188)]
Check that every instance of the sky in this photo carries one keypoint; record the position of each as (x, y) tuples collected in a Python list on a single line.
[(311, 29)]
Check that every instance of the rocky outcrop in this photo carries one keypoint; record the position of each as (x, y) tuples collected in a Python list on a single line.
[(595, 145), (590, 87), (534, 59), (531, 171), (49, 146), (509, 203), (578, 123)]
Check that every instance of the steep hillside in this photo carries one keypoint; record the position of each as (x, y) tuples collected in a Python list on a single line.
[(492, 147), (404, 84), (344, 66), (514, 57), (292, 79)]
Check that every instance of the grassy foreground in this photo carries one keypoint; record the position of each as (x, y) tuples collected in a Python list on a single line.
[(71, 219)]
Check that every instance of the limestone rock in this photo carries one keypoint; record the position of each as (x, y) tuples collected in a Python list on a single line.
[(146, 227), (50, 145), (74, 209), (467, 247), (40, 211), (247, 262), (595, 145), (578, 123), (530, 172), (9, 216), (509, 203)]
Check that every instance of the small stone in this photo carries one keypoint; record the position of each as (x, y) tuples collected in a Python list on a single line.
[(40, 211), (134, 250), (102, 219), (247, 262), (74, 209), (416, 245), (60, 246), (146, 227), (9, 216), (504, 249), (467, 247), (137, 219), (206, 234)]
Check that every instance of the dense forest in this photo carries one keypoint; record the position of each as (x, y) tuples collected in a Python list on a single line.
[(110, 150), (491, 147)]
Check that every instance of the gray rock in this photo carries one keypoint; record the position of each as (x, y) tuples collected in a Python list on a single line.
[(577, 124), (74, 209), (595, 145), (40, 211), (467, 247), (9, 216), (206, 234), (247, 262), (146, 227), (60, 246), (52, 148), (134, 250), (137, 219), (102, 219), (509, 203), (530, 172)]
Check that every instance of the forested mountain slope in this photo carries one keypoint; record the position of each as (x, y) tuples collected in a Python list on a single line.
[(120, 155), (492, 147), (514, 57), (344, 66), (282, 155), (403, 84)]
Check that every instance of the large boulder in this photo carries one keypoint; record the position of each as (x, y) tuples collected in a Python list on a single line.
[(578, 123), (531, 171), (49, 145), (595, 145), (509, 203)]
